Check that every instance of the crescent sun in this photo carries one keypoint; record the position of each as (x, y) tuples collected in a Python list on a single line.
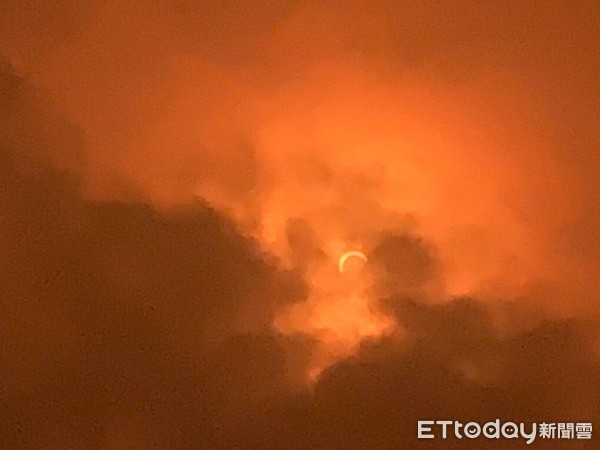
[(348, 255)]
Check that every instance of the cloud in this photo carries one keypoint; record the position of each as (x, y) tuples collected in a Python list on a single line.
[(475, 120), (106, 304)]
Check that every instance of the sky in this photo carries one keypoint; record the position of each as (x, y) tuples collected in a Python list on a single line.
[(179, 180)]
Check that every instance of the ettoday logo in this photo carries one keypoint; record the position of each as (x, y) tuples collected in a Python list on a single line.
[(431, 429)]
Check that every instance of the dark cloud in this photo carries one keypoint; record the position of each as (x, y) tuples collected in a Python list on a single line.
[(404, 263), (109, 309)]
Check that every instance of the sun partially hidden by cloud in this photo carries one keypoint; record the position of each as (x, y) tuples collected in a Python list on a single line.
[(340, 312)]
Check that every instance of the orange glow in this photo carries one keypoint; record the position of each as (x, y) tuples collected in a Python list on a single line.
[(297, 223), (352, 121), (339, 313)]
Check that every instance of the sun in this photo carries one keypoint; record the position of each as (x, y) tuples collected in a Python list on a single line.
[(349, 255)]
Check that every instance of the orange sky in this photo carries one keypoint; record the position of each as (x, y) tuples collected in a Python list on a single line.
[(455, 144)]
